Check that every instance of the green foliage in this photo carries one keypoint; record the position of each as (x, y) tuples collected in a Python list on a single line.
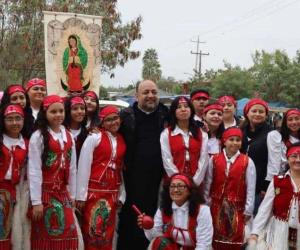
[(103, 93), (151, 67), (233, 81), (22, 37)]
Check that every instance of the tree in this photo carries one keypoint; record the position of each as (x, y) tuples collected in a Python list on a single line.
[(233, 81), (151, 67), (22, 42)]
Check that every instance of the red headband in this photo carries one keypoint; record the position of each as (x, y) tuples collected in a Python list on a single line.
[(13, 109), (292, 112), (253, 102), (183, 178), (233, 131), (200, 95), (213, 106), (226, 98), (293, 150), (91, 94), (35, 82), (50, 99), (77, 100), (15, 88), (108, 110)]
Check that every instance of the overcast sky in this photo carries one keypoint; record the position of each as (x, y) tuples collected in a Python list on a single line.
[(232, 30)]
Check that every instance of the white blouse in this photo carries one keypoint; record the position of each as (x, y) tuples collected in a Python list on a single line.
[(11, 143), (266, 208), (204, 230), (213, 146), (250, 181), (167, 157), (85, 164), (276, 154), (36, 147)]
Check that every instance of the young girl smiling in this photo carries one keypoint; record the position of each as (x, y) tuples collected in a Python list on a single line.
[(52, 180), (13, 152)]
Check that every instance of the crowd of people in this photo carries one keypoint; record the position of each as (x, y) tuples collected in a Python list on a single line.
[(77, 176)]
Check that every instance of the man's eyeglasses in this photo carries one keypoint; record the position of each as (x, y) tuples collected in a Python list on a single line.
[(179, 187)]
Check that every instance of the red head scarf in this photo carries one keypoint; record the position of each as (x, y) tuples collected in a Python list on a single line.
[(200, 95), (183, 178), (91, 94), (15, 88), (50, 99), (77, 100), (232, 131), (214, 106), (293, 150), (253, 102), (108, 110), (226, 98), (35, 82), (292, 112), (13, 109)]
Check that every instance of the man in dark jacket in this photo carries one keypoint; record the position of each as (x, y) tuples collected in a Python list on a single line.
[(141, 128)]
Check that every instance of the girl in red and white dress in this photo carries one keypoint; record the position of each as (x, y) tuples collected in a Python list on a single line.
[(52, 180), (279, 141), (182, 222), (13, 152), (230, 190), (229, 109), (75, 120), (92, 104), (100, 188), (278, 214), (183, 144), (213, 115)]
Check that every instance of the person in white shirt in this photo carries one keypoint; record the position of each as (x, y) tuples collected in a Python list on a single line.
[(199, 99), (213, 115), (278, 214), (100, 187), (75, 120), (92, 105), (229, 110), (52, 180), (36, 90), (183, 144), (182, 221), (278, 141), (230, 191), (13, 153)]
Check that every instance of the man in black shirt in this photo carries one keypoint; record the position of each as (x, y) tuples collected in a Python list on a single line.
[(141, 128)]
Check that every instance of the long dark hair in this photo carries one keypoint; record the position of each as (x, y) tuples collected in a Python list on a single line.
[(95, 121), (28, 127), (42, 125), (68, 119), (173, 119), (285, 131), (195, 198)]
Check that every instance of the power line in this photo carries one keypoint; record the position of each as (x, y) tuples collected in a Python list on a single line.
[(199, 54)]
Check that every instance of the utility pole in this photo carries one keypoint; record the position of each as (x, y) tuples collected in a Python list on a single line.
[(199, 54)]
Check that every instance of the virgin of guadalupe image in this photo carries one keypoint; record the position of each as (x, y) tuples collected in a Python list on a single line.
[(75, 60)]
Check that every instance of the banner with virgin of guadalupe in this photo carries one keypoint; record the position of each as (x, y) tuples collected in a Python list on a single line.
[(72, 52)]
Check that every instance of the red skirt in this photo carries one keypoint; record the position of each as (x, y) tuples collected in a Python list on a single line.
[(57, 229), (99, 219), (229, 225)]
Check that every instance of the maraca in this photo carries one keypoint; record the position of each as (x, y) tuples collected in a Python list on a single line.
[(147, 222)]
